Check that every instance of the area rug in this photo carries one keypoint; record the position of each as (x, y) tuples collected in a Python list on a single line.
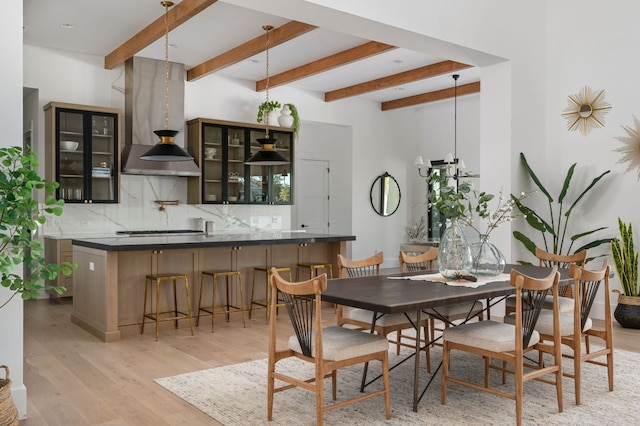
[(237, 395)]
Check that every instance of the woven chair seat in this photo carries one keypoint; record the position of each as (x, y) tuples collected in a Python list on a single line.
[(490, 335)]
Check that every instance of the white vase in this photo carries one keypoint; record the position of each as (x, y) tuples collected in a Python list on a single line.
[(285, 119)]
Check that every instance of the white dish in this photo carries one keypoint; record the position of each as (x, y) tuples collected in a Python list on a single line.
[(69, 145)]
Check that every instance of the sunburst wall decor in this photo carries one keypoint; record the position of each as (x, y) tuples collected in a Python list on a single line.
[(631, 149), (586, 110)]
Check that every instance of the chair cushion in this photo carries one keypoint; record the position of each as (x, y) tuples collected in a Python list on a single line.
[(456, 311), (387, 320), (545, 323), (340, 343), (489, 335), (565, 304)]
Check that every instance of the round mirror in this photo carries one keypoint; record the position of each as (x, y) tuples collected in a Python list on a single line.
[(385, 195), (585, 110)]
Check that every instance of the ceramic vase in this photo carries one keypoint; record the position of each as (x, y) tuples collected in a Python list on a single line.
[(454, 253), (285, 119), (486, 259)]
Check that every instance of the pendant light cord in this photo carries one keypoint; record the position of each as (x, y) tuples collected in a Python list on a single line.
[(166, 5), (455, 116)]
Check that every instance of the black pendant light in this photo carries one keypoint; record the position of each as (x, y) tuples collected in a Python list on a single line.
[(166, 149), (267, 156)]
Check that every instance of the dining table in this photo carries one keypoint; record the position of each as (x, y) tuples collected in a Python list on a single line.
[(402, 293)]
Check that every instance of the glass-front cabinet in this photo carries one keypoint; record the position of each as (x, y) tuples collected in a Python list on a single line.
[(221, 148), (82, 152)]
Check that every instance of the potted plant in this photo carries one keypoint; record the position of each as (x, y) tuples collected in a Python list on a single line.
[(20, 215), (289, 117), (625, 259), (265, 109)]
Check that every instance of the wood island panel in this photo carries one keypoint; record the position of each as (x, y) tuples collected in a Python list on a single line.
[(109, 285)]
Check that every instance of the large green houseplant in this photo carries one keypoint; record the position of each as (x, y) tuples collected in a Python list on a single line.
[(20, 216), (625, 259), (553, 229)]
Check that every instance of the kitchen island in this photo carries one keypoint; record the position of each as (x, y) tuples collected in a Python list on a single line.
[(109, 282)]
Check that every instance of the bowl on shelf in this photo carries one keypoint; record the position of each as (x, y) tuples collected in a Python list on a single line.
[(68, 145)]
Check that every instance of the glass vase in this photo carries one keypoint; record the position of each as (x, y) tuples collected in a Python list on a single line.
[(487, 259), (454, 253)]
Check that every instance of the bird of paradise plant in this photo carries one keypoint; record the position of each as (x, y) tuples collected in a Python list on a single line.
[(554, 229)]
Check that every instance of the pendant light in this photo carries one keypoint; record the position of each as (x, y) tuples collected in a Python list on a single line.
[(166, 149), (267, 156), (454, 165)]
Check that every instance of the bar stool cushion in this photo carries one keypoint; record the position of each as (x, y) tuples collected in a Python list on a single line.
[(340, 343)]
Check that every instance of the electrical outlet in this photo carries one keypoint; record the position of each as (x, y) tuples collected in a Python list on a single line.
[(92, 266)]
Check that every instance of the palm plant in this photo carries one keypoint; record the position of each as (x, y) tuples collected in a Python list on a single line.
[(554, 230), (625, 259)]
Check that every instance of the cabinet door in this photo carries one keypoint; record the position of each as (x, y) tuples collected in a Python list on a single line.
[(235, 165), (103, 158), (213, 164), (271, 184), (70, 147)]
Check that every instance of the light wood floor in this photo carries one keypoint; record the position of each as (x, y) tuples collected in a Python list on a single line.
[(73, 378)]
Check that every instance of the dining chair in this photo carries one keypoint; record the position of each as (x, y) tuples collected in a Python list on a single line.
[(328, 349), (447, 313), (510, 342), (577, 325), (549, 260), (363, 318)]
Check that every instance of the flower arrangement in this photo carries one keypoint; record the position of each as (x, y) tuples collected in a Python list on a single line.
[(494, 218), (451, 201), (416, 231)]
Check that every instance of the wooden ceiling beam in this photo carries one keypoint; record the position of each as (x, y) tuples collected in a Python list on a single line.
[(177, 15), (279, 35), (324, 64), (438, 95), (405, 77)]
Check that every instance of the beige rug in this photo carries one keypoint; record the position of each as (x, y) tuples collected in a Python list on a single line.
[(236, 395)]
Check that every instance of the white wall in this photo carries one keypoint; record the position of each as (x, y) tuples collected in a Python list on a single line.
[(11, 316)]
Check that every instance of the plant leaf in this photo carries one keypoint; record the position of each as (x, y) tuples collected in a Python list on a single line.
[(567, 181), (535, 179), (593, 182)]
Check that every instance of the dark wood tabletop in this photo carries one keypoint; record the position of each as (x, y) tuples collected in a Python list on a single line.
[(380, 294)]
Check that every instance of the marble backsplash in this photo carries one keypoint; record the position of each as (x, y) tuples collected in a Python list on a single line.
[(138, 210)]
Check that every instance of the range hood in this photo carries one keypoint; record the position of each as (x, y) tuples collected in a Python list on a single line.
[(144, 112)]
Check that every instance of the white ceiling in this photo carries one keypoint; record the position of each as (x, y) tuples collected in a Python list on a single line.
[(99, 27)]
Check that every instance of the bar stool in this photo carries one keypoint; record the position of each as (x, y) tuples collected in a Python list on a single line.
[(158, 279), (313, 269), (262, 302), (228, 307)]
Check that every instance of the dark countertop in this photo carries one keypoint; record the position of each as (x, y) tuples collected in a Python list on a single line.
[(121, 243)]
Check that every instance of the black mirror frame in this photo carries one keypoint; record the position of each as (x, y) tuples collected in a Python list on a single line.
[(373, 205)]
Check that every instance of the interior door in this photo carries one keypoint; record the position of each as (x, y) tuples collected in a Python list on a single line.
[(312, 195)]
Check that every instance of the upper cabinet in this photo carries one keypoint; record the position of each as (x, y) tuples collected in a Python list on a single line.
[(82, 152), (220, 148)]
